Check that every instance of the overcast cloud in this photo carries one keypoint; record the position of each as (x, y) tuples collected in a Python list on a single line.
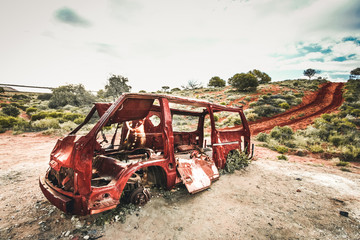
[(164, 42)]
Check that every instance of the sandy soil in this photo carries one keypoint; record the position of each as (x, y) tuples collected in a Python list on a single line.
[(270, 199)]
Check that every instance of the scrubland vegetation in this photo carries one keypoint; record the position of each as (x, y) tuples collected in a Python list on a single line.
[(332, 135)]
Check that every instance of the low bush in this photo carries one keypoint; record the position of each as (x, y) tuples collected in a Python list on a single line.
[(251, 116), (284, 105), (44, 96), (282, 157), (342, 164), (350, 153), (282, 133), (20, 97), (46, 123), (262, 137), (61, 116), (316, 149), (79, 120), (20, 106), (267, 110), (282, 149), (8, 122), (11, 111), (236, 160), (31, 110), (336, 140)]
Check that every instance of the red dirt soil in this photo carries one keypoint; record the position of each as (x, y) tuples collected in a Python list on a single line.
[(327, 99)]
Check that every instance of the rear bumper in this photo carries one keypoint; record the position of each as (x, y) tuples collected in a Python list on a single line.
[(61, 201)]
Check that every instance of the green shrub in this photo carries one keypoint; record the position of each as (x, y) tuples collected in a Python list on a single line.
[(262, 137), (39, 116), (267, 110), (248, 98), (290, 144), (253, 104), (30, 110), (342, 164), (344, 169), (284, 105), (282, 157), (327, 117), (282, 149), (21, 126), (11, 111), (336, 140), (44, 96), (22, 107), (282, 133), (355, 112), (68, 126), (79, 120), (243, 82), (351, 153), (75, 95), (236, 160), (251, 116), (316, 149), (20, 97), (46, 123), (216, 118), (7, 122)]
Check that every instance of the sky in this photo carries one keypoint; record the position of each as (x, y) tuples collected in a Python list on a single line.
[(168, 43)]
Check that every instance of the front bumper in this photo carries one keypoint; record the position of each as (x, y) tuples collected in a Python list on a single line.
[(61, 201)]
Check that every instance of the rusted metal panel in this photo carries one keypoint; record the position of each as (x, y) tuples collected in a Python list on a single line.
[(197, 173)]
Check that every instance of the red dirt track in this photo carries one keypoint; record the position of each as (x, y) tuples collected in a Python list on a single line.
[(327, 99)]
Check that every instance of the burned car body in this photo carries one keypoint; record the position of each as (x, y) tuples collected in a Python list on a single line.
[(89, 176)]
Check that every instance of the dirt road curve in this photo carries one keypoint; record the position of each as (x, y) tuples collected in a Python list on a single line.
[(327, 99)]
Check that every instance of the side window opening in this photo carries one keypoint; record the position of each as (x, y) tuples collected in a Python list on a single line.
[(227, 120)]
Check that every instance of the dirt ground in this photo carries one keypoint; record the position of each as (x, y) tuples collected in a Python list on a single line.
[(271, 199)]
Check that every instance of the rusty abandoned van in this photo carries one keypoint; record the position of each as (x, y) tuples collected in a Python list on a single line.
[(90, 173)]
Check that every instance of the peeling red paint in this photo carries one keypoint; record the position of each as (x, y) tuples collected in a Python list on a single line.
[(88, 175)]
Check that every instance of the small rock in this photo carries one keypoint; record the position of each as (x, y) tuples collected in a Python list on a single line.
[(67, 234), (86, 237), (298, 190), (344, 213), (299, 179)]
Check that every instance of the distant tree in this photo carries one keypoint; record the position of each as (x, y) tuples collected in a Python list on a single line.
[(100, 93), (355, 73), (216, 82), (142, 91), (2, 90), (175, 89), (116, 86), (165, 88), (11, 110), (71, 94), (262, 77), (44, 96), (244, 82), (310, 72), (192, 84)]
